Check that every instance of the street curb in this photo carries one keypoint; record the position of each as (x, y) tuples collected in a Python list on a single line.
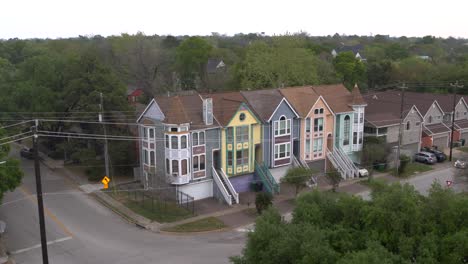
[(172, 233)]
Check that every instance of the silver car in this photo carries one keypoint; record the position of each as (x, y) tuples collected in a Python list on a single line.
[(425, 157)]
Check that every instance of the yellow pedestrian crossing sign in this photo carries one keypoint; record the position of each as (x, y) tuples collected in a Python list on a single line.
[(105, 181)]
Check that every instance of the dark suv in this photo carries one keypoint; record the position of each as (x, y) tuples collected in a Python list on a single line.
[(27, 153), (439, 154)]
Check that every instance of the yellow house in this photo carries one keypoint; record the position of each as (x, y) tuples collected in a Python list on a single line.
[(241, 138)]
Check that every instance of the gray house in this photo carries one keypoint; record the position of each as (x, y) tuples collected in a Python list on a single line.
[(178, 136), (383, 118), (281, 127)]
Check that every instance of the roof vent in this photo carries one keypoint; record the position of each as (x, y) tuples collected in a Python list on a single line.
[(375, 97)]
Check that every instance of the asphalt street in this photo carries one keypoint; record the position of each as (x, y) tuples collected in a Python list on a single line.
[(81, 230), (423, 183)]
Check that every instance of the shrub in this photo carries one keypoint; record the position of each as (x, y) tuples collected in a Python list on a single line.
[(404, 160), (262, 201)]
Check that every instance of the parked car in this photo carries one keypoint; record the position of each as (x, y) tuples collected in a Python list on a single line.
[(425, 157), (439, 154), (27, 153), (363, 172), (461, 164)]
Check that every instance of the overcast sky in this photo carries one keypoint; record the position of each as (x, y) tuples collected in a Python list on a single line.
[(67, 18)]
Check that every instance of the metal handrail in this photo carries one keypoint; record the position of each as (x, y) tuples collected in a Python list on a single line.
[(229, 185), (266, 176), (220, 184)]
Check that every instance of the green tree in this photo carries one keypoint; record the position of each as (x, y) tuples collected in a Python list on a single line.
[(334, 178), (10, 172), (263, 200), (297, 177), (350, 69), (397, 226), (285, 62), (191, 57)]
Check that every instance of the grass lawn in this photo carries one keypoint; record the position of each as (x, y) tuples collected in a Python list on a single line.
[(205, 224), (414, 167), (158, 211), (464, 149)]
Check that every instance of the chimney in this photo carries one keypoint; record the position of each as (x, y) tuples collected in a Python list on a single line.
[(208, 111)]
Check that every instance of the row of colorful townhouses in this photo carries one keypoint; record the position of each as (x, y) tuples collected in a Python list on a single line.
[(219, 144)]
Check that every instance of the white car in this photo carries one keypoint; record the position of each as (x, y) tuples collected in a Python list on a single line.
[(461, 164), (363, 172)]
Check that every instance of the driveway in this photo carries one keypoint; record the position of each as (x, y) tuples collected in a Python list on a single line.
[(81, 230)]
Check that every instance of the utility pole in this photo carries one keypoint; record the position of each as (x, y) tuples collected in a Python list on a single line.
[(397, 160), (455, 86), (106, 153), (40, 202)]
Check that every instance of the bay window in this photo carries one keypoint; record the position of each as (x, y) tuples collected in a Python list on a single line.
[(174, 142), (175, 166)]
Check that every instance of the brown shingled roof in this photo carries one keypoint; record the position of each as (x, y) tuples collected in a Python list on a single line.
[(436, 129), (383, 112), (336, 96), (225, 105), (301, 98), (263, 102), (357, 97), (181, 109)]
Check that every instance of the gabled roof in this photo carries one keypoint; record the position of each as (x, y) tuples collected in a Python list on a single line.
[(423, 101), (264, 102), (301, 98), (336, 96), (213, 65), (183, 109), (225, 105), (381, 112), (435, 129)]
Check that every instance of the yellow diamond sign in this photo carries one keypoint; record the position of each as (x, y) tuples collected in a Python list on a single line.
[(105, 181)]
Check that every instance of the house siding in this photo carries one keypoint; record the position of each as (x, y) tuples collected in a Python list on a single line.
[(413, 135), (282, 110), (434, 115)]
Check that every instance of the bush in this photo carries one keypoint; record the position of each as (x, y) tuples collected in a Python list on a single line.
[(404, 160), (262, 201)]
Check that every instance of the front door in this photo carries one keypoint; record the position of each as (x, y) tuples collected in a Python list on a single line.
[(296, 148), (330, 142), (216, 159), (258, 154)]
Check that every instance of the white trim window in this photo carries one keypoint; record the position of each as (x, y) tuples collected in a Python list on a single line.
[(282, 151), (307, 125), (318, 145), (282, 126), (242, 134), (307, 146), (148, 133), (149, 157), (318, 124), (199, 162), (198, 138)]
